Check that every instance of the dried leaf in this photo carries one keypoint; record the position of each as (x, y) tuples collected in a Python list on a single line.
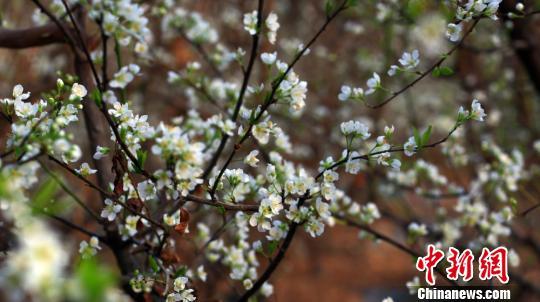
[(184, 220)]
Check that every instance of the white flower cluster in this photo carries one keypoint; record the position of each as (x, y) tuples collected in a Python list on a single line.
[(134, 129), (174, 145), (199, 87), (124, 20), (476, 113), (357, 93), (471, 9), (355, 129), (181, 293), (408, 61), (250, 22), (192, 24), (271, 25), (129, 228), (90, 248), (292, 90), (240, 257), (43, 123), (477, 8), (124, 76), (56, 7)]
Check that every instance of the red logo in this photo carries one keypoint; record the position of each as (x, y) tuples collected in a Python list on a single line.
[(429, 262), (494, 264), (491, 264), (460, 264)]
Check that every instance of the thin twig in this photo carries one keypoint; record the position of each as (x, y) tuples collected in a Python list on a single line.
[(428, 71), (247, 76), (392, 242), (69, 192), (270, 99)]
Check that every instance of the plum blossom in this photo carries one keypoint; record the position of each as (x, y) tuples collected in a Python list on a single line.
[(146, 190), (251, 159), (453, 31), (124, 76), (89, 249), (78, 90), (272, 25), (101, 152), (85, 170), (348, 93), (373, 83), (355, 129), (110, 210), (269, 58), (410, 147), (250, 22), (477, 112)]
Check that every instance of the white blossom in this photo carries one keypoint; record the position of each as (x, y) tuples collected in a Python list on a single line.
[(269, 58), (409, 148), (453, 31), (110, 210), (250, 22), (356, 129), (78, 90), (373, 83), (272, 25), (477, 112), (251, 158), (101, 152), (146, 190), (410, 60), (85, 170), (88, 249)]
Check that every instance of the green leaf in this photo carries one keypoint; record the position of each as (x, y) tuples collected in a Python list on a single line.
[(181, 271), (221, 209), (513, 205), (446, 71), (351, 3), (272, 246), (44, 196), (96, 97), (442, 71), (414, 8), (153, 263), (141, 157), (328, 7), (426, 135), (123, 133), (94, 280), (417, 138)]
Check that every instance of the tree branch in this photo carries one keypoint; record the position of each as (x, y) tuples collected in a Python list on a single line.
[(31, 37)]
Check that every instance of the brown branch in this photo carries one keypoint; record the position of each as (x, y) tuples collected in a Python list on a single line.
[(73, 226), (79, 176), (69, 192), (31, 37), (224, 205), (274, 263), (65, 32)]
